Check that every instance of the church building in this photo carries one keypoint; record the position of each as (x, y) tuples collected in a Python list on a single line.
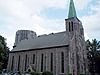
[(61, 53)]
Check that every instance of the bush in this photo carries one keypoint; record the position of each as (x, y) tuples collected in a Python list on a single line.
[(34, 73), (37, 73), (69, 74), (0, 71), (82, 74), (47, 73)]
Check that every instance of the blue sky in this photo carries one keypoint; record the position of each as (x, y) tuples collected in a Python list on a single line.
[(46, 16)]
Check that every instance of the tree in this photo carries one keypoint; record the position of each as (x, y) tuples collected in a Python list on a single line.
[(93, 51), (4, 50), (97, 63)]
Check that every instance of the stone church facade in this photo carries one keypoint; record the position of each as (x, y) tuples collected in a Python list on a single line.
[(61, 53)]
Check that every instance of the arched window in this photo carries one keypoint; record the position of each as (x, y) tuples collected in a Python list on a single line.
[(33, 58), (12, 63), (25, 61), (69, 27), (18, 63), (51, 62), (62, 62), (42, 63), (72, 25)]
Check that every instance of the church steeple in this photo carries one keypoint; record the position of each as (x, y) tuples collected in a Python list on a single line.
[(72, 11), (72, 22)]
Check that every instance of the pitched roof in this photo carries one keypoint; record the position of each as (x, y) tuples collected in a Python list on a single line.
[(43, 41)]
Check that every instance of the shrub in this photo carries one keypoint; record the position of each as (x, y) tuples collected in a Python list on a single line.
[(0, 71), (34, 73), (37, 73), (82, 74), (47, 73), (69, 74)]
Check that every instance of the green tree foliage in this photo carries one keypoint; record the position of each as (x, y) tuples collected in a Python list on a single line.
[(93, 55), (4, 50), (97, 63)]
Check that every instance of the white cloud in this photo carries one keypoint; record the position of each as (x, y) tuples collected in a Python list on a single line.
[(25, 14), (81, 4), (92, 21)]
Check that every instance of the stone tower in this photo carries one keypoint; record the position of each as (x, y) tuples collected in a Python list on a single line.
[(22, 35), (77, 50)]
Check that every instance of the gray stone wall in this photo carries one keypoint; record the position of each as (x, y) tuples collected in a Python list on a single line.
[(77, 50), (46, 62)]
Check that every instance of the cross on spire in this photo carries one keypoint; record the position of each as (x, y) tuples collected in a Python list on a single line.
[(72, 11)]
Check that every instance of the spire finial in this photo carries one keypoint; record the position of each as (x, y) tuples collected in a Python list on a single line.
[(72, 11)]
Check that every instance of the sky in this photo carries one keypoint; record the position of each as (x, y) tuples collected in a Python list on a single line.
[(46, 16)]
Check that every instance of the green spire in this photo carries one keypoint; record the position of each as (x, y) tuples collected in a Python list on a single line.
[(72, 11)]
